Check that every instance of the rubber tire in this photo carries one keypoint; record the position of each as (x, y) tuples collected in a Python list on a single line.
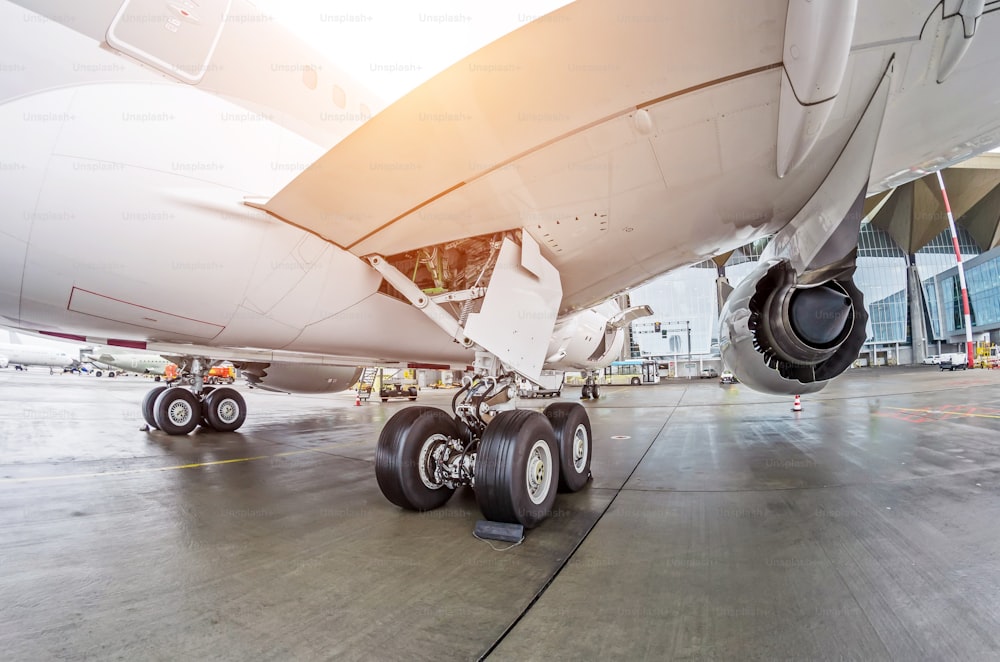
[(97, 373), (585, 392), (215, 399), (595, 392), (111, 374), (635, 381), (501, 466), (397, 457), (566, 418), (148, 401), (162, 406)]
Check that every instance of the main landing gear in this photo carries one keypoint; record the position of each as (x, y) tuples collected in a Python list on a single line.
[(176, 409), (515, 460), (590, 389)]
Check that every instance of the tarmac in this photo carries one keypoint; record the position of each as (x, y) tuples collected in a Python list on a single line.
[(719, 525)]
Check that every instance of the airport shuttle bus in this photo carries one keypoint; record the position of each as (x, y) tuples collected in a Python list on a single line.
[(632, 371)]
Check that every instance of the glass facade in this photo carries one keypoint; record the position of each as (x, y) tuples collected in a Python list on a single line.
[(939, 254), (688, 297), (933, 312), (984, 288), (934, 258), (881, 277), (982, 276), (679, 299)]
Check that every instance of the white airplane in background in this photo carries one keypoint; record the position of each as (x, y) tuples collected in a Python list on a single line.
[(21, 356), (486, 219), (145, 363)]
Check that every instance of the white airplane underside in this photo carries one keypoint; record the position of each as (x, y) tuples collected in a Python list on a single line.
[(486, 219)]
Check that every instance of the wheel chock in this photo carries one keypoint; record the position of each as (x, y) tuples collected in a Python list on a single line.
[(503, 531)]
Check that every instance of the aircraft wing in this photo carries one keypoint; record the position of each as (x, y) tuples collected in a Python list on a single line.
[(527, 129), (632, 140)]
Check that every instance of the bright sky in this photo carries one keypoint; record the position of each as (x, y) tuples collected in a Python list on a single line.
[(391, 46)]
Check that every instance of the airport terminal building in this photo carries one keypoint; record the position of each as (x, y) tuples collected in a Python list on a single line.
[(906, 268)]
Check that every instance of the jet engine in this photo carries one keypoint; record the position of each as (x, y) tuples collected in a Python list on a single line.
[(783, 337), (591, 338), (300, 377)]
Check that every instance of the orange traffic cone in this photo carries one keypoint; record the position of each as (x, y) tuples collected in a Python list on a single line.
[(357, 400), (797, 405)]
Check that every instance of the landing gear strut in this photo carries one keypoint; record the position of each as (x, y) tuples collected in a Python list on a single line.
[(512, 459), (178, 410), (515, 460), (590, 389)]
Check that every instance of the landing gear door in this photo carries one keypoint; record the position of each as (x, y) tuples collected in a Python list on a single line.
[(519, 311)]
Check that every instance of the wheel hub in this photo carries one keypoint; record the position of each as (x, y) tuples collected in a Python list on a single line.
[(180, 412), (580, 447), (427, 462), (228, 410), (539, 473)]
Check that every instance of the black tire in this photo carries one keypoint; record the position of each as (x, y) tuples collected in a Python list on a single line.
[(156, 378), (224, 409), (177, 411), (402, 457), (635, 381), (111, 374), (96, 374), (575, 442), (514, 442), (148, 401), (595, 392), (585, 392)]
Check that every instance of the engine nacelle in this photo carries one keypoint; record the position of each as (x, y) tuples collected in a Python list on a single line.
[(782, 337), (301, 377), (585, 340)]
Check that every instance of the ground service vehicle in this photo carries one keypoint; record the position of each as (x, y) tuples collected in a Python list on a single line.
[(953, 362)]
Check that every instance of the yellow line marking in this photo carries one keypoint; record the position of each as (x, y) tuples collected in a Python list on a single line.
[(195, 465), (943, 412)]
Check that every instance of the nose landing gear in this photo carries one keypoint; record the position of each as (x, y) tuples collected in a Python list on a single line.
[(178, 410)]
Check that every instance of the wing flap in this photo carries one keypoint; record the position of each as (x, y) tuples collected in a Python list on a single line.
[(577, 67)]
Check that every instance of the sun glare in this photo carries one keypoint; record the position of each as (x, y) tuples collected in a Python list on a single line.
[(392, 46)]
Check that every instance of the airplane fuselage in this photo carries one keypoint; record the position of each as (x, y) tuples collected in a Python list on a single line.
[(149, 364), (98, 145), (28, 355)]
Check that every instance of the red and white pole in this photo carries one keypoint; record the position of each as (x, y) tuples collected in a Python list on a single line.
[(969, 357)]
